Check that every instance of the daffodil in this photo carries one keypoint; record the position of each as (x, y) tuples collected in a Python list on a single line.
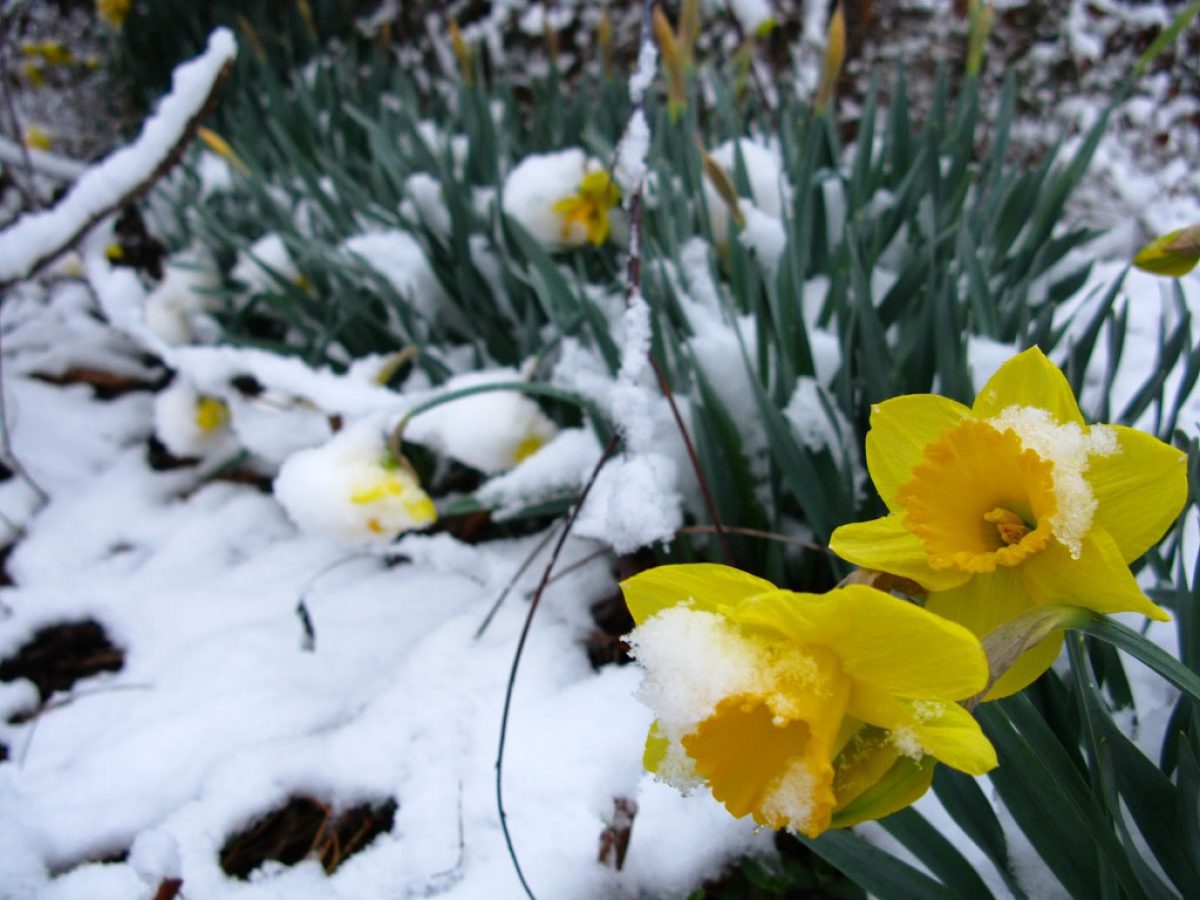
[(587, 209), (192, 424), (1012, 502), (805, 711), (353, 490), (562, 199), (114, 12)]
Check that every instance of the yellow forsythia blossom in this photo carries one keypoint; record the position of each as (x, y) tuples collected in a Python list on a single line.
[(1013, 502), (587, 210), (805, 711)]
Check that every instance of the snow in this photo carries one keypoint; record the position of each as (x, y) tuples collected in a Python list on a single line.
[(1070, 449), (398, 257), (36, 234)]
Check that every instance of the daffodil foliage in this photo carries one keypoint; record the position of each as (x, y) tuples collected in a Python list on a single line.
[(805, 711), (1013, 502)]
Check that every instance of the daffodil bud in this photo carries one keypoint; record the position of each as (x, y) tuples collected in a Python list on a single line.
[(1174, 254), (835, 56)]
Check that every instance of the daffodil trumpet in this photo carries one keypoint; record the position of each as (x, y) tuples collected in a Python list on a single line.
[(1012, 503), (804, 711)]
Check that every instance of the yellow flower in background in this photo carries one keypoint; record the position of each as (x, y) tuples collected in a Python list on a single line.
[(1013, 502), (114, 12), (212, 413), (805, 711), (587, 210), (37, 138), (1174, 254)]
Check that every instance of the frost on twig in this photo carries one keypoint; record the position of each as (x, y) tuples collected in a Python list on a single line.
[(37, 238)]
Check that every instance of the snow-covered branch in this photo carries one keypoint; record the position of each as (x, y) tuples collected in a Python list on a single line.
[(37, 238)]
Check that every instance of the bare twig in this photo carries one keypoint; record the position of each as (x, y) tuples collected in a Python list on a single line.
[(516, 662), (28, 189), (633, 285), (512, 582)]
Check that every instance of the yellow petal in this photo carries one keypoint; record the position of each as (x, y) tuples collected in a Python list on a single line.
[(885, 544), (1028, 379), (706, 586), (656, 748), (1099, 580), (1174, 254), (941, 729), (900, 430), (903, 784), (950, 733), (881, 640), (1140, 490), (988, 601)]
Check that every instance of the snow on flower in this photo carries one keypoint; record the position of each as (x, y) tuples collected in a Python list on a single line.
[(805, 711), (1013, 502), (191, 424), (490, 431), (353, 490), (562, 199), (186, 291)]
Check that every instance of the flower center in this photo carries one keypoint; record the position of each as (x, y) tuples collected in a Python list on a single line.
[(211, 414), (588, 209), (771, 754), (978, 499), (1009, 525)]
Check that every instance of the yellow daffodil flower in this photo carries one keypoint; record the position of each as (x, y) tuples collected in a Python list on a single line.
[(587, 210), (37, 138), (391, 499), (212, 413), (1013, 502), (114, 12), (805, 711)]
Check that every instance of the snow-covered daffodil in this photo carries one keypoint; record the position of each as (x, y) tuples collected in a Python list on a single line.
[(191, 424), (1013, 502), (587, 209), (805, 711), (353, 490), (562, 199)]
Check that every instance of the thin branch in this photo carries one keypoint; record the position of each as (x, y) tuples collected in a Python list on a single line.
[(516, 662), (633, 285), (512, 582), (28, 189)]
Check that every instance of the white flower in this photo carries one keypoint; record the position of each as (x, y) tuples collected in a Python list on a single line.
[(352, 490)]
